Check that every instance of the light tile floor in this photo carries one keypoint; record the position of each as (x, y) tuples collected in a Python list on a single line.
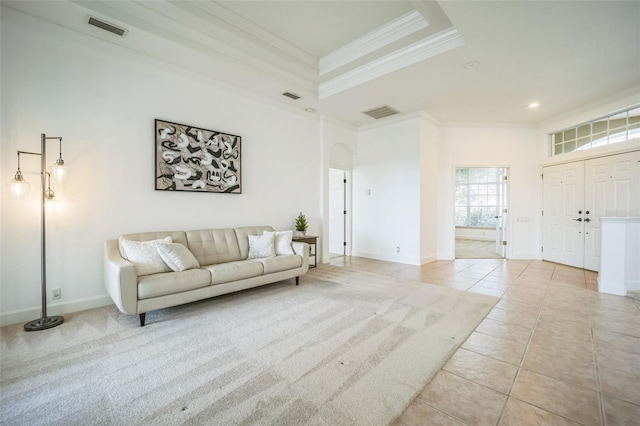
[(552, 351)]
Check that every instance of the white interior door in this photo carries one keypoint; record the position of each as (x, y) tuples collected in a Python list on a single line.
[(612, 190), (502, 212), (563, 214), (337, 211)]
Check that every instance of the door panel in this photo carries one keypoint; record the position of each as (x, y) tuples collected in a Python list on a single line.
[(563, 189), (612, 190), (336, 211)]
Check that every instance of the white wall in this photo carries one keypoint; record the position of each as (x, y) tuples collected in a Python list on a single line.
[(388, 165), (480, 146), (102, 99), (429, 141)]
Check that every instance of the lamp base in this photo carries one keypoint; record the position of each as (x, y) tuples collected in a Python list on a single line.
[(43, 323)]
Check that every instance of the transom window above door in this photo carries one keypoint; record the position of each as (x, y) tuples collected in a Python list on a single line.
[(479, 196), (619, 127)]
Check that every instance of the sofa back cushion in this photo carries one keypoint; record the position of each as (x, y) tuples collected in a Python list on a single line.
[(213, 246), (243, 237)]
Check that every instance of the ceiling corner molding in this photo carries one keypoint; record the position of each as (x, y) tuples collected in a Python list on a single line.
[(416, 52), (243, 27), (430, 118), (376, 39), (328, 119)]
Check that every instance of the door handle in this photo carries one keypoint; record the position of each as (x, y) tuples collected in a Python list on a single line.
[(578, 219), (587, 220)]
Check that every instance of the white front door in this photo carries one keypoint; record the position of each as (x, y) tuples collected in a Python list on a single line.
[(337, 215), (612, 190), (563, 214), (576, 195)]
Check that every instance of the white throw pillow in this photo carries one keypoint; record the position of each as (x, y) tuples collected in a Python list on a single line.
[(261, 245), (177, 256), (282, 242), (145, 257)]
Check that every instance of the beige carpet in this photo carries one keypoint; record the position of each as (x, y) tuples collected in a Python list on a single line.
[(343, 348), (476, 249)]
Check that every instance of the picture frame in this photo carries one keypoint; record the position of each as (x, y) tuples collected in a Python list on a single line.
[(194, 159)]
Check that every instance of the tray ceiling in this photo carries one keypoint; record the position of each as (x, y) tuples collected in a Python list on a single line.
[(346, 57)]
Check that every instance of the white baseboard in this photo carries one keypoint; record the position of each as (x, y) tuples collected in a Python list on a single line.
[(633, 285), (428, 259), (619, 289), (397, 259), (446, 256), (26, 315)]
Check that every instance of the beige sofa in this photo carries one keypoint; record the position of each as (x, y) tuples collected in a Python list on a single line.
[(222, 267)]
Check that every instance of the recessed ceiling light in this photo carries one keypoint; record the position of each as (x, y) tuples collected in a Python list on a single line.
[(471, 64), (533, 105)]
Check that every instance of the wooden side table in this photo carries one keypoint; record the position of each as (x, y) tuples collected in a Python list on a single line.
[(312, 240)]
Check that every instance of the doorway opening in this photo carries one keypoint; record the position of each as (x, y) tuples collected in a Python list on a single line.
[(338, 213), (481, 213)]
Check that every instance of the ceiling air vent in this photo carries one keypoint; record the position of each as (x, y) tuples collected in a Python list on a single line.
[(381, 112), (291, 95), (106, 26)]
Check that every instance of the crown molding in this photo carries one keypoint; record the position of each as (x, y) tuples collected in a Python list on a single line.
[(243, 27), (168, 20), (409, 55), (430, 118), (376, 39), (485, 125), (329, 119)]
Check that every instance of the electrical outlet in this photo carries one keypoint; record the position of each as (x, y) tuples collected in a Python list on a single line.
[(56, 294), (398, 249)]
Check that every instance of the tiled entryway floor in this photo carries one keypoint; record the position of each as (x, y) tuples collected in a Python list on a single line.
[(552, 351)]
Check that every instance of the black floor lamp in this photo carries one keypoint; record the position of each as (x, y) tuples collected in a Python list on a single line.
[(19, 190)]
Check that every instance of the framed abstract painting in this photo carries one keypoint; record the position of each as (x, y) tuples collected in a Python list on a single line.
[(198, 160)]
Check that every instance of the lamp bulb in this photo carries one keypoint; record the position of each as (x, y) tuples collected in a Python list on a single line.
[(58, 171), (51, 206), (19, 187)]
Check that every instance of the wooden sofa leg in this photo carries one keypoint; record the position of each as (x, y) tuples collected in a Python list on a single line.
[(142, 319), (297, 280)]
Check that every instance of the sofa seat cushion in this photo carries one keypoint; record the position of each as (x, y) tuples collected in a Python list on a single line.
[(233, 271), (172, 282), (281, 263)]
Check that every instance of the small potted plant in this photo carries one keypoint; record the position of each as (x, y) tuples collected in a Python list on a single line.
[(301, 224)]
